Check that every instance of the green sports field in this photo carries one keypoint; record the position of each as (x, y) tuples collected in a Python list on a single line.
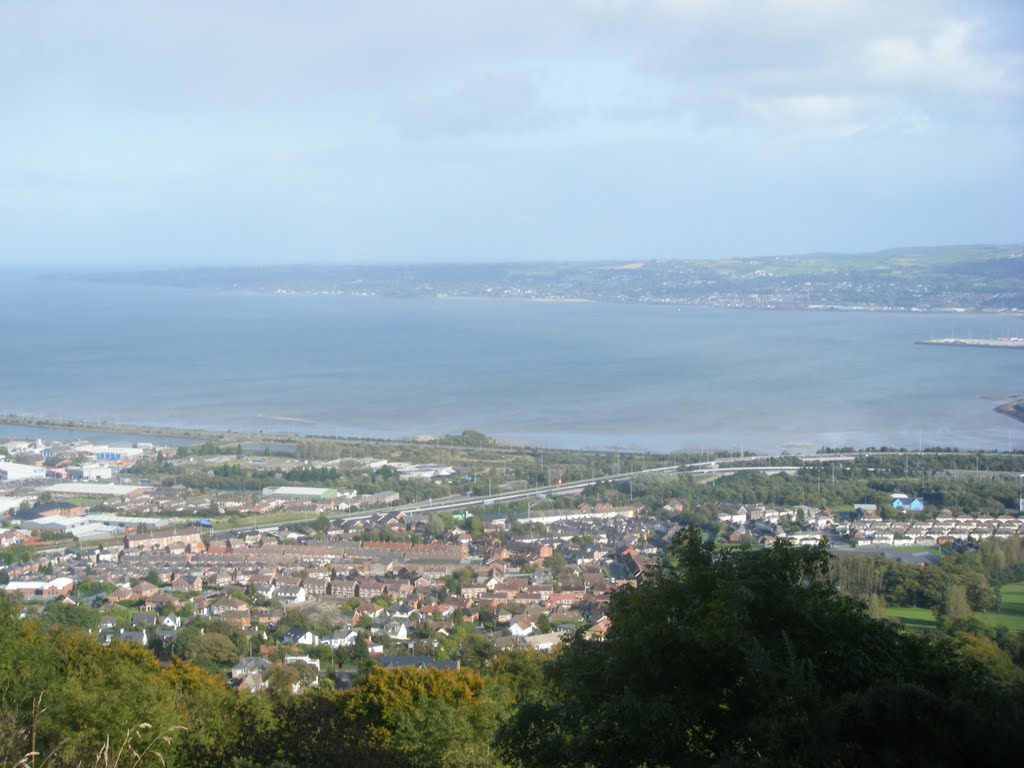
[(1011, 608), (1009, 615), (913, 618)]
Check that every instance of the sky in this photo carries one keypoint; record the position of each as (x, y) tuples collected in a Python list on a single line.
[(151, 134)]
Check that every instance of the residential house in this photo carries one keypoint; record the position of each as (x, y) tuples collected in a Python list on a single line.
[(301, 637), (291, 594), (521, 626)]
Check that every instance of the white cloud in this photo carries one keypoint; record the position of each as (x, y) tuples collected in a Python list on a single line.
[(944, 61), (829, 115)]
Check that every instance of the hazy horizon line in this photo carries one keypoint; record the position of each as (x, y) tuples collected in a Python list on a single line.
[(126, 268)]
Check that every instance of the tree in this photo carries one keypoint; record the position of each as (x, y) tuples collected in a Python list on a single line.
[(293, 620), (876, 606), (981, 594), (321, 524), (544, 623), (330, 734), (556, 565), (742, 657), (233, 632), (282, 680), (439, 523), (475, 650), (17, 553), (70, 615), (383, 704), (92, 588), (955, 607), (106, 692), (210, 651), (209, 712)]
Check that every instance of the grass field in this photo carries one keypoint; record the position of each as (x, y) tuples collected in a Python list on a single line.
[(1009, 615), (1011, 609), (270, 518), (85, 501), (913, 618)]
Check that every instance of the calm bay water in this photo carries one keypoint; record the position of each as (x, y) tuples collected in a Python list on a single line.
[(558, 374)]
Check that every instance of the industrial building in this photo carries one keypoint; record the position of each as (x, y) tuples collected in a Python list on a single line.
[(11, 472), (79, 527), (115, 454), (108, 490), (92, 471), (60, 586)]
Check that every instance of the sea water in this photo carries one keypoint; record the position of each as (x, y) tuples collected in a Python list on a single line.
[(564, 374)]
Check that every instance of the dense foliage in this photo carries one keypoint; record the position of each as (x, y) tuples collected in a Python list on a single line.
[(66, 695), (722, 658), (963, 483), (754, 657)]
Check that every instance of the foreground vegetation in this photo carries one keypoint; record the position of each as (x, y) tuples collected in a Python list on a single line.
[(722, 657), (755, 658)]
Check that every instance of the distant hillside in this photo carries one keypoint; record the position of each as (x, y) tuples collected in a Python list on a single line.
[(968, 277)]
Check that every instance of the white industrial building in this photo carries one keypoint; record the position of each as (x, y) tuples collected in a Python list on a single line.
[(11, 472), (115, 453), (110, 490), (79, 527), (92, 471)]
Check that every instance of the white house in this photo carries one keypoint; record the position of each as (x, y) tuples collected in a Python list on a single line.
[(342, 638), (299, 637), (522, 627)]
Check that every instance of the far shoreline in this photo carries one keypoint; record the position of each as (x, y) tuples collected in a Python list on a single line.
[(149, 430), (262, 437)]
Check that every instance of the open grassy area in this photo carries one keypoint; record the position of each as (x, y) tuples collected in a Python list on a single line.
[(271, 518), (937, 551), (227, 522), (1011, 609), (913, 618), (85, 501), (1009, 615)]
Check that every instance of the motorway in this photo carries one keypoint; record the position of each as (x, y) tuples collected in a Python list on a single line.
[(464, 502), (705, 469), (454, 503)]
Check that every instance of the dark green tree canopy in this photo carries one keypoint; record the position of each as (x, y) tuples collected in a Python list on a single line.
[(743, 657)]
